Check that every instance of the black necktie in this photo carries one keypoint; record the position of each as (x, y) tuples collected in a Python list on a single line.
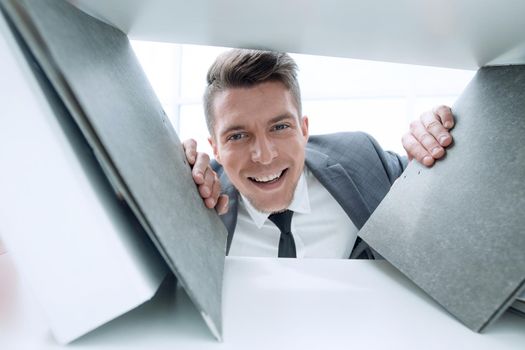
[(283, 221)]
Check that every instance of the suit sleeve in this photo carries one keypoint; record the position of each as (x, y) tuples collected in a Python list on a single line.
[(393, 163)]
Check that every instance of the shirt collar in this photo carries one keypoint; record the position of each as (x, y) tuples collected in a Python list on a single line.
[(300, 202)]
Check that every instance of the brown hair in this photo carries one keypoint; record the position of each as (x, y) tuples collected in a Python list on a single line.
[(246, 68)]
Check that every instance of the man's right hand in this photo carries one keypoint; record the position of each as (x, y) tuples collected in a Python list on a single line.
[(205, 178)]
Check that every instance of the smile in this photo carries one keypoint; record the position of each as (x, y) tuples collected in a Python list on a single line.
[(269, 178)]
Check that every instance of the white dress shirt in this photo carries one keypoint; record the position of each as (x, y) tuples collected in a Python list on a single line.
[(320, 227)]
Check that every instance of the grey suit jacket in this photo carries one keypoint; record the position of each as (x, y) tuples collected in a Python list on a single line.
[(351, 166)]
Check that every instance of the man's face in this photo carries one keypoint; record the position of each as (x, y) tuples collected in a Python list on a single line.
[(260, 140)]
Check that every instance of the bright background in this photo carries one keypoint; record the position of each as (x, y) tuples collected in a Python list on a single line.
[(338, 94)]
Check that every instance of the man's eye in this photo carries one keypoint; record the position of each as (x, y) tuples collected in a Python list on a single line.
[(280, 127), (236, 137)]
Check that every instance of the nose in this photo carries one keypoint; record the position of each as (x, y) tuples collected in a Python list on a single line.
[(263, 150)]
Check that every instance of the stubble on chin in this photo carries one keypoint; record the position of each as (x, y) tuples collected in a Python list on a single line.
[(265, 207)]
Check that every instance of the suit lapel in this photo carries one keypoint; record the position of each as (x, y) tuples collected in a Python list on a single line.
[(230, 218), (340, 185)]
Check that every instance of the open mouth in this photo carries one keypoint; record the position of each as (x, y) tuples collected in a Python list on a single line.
[(269, 179)]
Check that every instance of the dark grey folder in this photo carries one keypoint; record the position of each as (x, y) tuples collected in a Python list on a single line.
[(96, 74), (457, 229)]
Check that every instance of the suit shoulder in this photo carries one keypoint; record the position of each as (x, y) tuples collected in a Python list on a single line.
[(345, 137), (341, 142)]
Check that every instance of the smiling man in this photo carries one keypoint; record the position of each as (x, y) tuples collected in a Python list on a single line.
[(260, 141), (292, 195)]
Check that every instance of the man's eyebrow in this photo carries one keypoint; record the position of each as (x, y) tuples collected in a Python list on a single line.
[(240, 127), (281, 118), (231, 128)]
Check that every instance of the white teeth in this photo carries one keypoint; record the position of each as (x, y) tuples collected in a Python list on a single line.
[(267, 178)]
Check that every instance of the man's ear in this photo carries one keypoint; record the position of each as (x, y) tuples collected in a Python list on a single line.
[(304, 127), (213, 144)]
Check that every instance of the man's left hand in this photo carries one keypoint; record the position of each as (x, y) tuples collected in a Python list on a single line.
[(429, 136), (205, 178)]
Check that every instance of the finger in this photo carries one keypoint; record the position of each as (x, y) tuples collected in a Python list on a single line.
[(445, 115), (210, 202), (212, 199), (416, 151), (206, 189), (190, 149), (432, 124), (202, 161), (222, 204), (426, 140)]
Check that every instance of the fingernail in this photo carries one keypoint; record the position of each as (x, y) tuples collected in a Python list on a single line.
[(205, 191), (448, 124), (436, 151), (443, 140), (428, 160)]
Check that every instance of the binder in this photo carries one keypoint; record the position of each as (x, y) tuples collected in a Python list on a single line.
[(90, 71), (456, 229)]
